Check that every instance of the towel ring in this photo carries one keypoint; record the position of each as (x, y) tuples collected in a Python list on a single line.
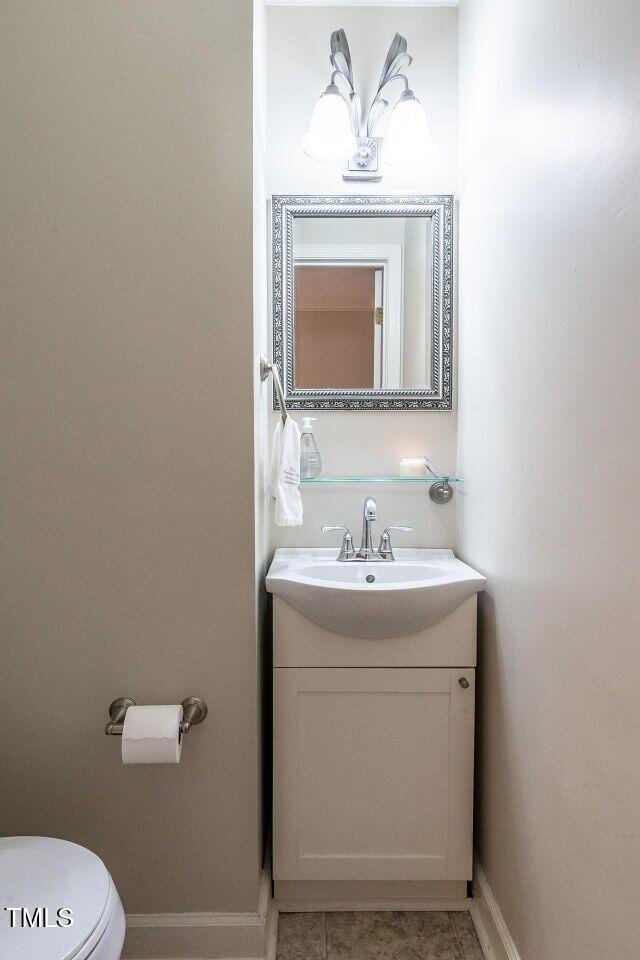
[(267, 367)]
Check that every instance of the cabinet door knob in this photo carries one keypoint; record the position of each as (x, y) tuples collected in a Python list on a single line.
[(464, 683)]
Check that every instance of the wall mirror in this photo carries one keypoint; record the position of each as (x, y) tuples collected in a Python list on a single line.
[(362, 301)]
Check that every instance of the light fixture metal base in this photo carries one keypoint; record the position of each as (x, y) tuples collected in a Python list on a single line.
[(366, 162)]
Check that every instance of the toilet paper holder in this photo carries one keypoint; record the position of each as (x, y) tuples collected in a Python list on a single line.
[(194, 710)]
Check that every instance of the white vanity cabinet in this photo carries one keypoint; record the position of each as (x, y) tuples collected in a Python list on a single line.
[(373, 760)]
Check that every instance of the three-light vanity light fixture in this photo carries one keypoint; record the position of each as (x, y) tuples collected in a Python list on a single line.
[(338, 130)]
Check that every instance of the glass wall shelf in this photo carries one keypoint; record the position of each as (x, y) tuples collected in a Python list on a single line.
[(383, 480)]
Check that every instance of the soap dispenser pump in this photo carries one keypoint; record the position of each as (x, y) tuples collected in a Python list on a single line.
[(310, 459)]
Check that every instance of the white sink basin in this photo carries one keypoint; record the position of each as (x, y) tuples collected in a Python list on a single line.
[(408, 594)]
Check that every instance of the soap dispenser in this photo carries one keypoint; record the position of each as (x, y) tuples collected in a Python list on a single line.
[(310, 459)]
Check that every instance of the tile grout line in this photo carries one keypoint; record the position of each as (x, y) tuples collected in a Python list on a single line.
[(455, 933)]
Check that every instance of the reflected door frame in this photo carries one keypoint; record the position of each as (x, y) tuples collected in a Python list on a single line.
[(388, 257)]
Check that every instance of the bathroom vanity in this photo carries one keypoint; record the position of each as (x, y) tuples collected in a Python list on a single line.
[(374, 678), (374, 648)]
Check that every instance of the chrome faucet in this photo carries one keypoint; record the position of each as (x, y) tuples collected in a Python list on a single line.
[(366, 550), (369, 514)]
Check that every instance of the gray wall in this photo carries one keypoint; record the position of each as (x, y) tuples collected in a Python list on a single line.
[(550, 453), (127, 399)]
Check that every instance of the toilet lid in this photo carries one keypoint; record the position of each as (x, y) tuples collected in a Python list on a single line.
[(45, 883)]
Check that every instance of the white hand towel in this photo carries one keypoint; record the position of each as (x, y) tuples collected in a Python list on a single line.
[(285, 474)]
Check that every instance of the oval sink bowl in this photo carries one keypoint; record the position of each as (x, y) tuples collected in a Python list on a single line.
[(376, 600)]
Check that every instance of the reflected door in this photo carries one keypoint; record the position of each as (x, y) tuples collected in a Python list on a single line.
[(338, 336)]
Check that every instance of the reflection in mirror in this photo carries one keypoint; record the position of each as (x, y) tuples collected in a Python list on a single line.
[(337, 334), (362, 302)]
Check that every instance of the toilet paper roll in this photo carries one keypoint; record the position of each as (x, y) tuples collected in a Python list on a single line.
[(152, 734)]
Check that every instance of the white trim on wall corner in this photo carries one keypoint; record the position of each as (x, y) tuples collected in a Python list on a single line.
[(494, 936)]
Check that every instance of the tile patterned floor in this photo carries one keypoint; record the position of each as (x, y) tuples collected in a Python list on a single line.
[(377, 936)]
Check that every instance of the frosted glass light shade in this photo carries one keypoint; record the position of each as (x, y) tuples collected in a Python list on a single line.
[(330, 136), (408, 138)]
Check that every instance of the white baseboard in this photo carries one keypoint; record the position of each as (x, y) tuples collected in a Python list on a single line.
[(271, 936), (203, 936), (493, 933), (253, 936)]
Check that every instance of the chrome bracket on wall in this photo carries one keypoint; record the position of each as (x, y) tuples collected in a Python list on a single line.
[(441, 491), (194, 710), (266, 368)]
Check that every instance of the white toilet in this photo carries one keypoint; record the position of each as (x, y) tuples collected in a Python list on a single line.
[(57, 902)]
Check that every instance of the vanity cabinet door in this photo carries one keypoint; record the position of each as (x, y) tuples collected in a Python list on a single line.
[(373, 773)]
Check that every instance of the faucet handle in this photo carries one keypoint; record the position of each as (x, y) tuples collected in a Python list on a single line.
[(347, 551), (384, 550)]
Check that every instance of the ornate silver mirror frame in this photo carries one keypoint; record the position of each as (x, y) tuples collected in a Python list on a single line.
[(436, 396)]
